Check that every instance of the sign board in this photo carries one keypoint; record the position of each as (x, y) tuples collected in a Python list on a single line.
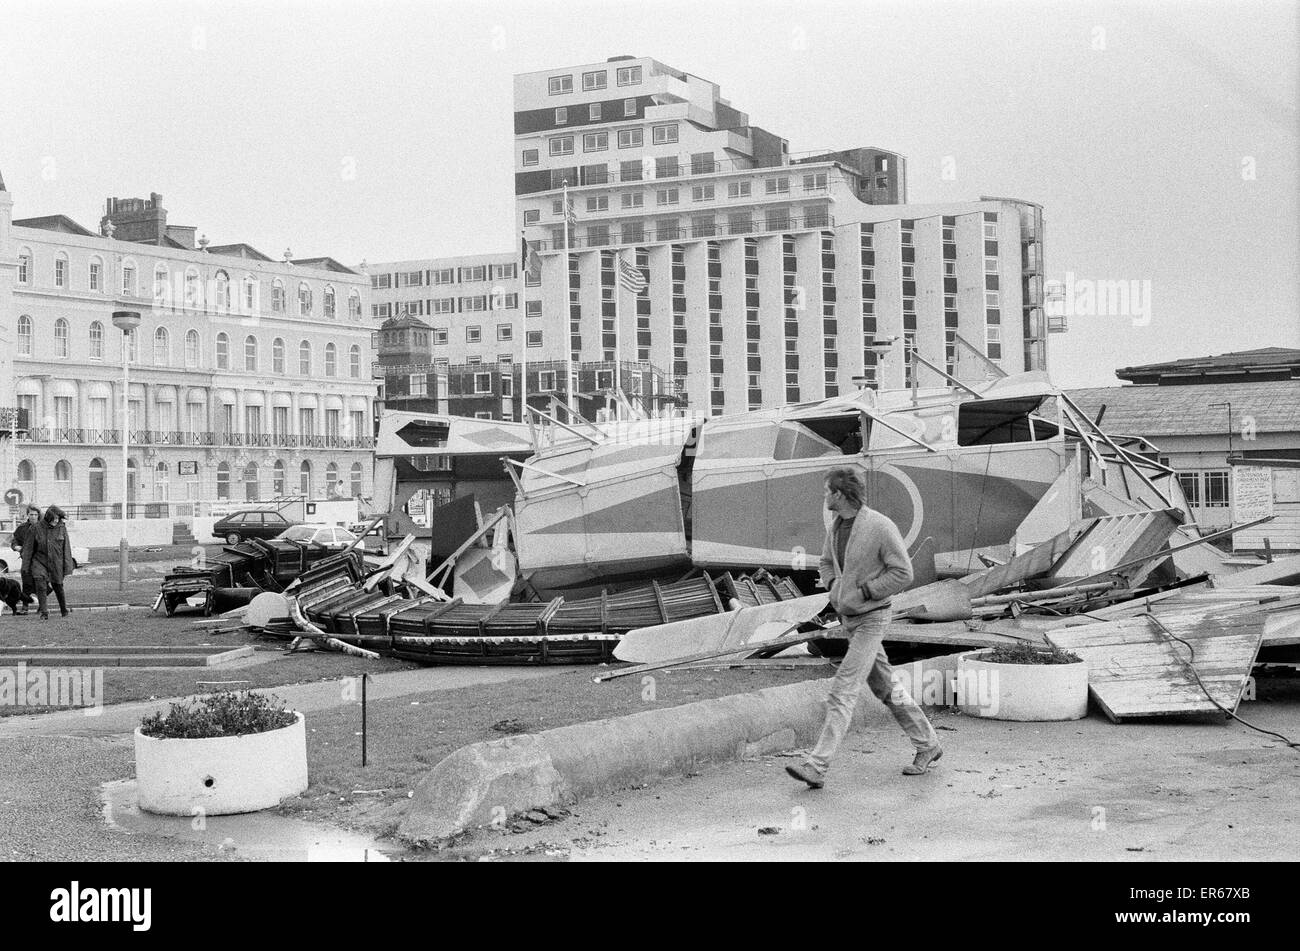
[(187, 468), (1286, 485), (1252, 493), (14, 496)]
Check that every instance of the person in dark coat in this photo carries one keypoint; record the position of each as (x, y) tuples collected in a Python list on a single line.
[(49, 552), (19, 537)]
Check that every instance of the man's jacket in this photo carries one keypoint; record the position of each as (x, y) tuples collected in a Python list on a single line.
[(876, 565)]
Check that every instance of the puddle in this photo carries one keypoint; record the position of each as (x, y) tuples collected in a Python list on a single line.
[(265, 836)]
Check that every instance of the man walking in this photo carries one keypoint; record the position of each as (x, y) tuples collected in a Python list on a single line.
[(864, 562), (49, 552), (19, 539)]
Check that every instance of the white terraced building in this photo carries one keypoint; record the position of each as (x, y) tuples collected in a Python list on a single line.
[(249, 377)]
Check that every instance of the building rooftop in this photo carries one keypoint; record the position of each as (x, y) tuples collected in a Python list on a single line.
[(1265, 362), (54, 223), (1187, 411)]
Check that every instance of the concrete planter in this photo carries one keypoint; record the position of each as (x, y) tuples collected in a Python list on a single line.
[(1021, 691), (221, 775)]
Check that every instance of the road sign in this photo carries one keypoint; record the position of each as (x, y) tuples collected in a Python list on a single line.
[(14, 496)]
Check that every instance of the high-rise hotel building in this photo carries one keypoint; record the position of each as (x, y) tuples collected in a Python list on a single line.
[(771, 274)]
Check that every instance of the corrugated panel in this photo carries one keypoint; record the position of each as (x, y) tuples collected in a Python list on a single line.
[(1185, 410)]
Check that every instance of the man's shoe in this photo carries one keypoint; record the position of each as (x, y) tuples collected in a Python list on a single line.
[(66, 612), (923, 760), (45, 615), (807, 773)]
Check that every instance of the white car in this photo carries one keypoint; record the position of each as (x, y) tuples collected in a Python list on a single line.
[(11, 560), (331, 536)]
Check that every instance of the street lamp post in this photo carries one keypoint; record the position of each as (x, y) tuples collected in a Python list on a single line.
[(126, 321)]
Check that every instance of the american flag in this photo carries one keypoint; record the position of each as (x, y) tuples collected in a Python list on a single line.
[(570, 213), (631, 277)]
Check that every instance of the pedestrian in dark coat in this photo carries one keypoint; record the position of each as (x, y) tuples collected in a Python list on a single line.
[(49, 552), (20, 536)]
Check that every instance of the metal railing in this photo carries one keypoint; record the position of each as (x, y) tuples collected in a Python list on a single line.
[(718, 230), (150, 437)]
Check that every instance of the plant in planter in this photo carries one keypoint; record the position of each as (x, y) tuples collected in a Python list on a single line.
[(229, 752), (1022, 682)]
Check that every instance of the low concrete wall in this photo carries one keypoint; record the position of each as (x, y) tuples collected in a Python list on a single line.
[(484, 783), (201, 529), (107, 533)]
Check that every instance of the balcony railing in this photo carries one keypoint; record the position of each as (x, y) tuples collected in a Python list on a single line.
[(149, 437), (718, 230)]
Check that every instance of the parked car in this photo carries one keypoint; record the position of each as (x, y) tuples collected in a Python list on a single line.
[(11, 560), (331, 536), (236, 527)]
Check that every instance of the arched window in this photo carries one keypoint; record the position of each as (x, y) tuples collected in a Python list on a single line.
[(95, 274), (331, 360), (128, 278), (223, 480), (251, 485), (162, 348), (223, 292), (26, 471), (277, 478), (356, 480), (96, 340), (304, 300), (354, 362), (304, 479), (24, 336), (354, 305), (223, 352), (250, 353), (162, 290), (161, 480), (60, 270), (277, 296), (193, 289), (304, 358), (193, 351), (60, 338), (329, 302), (97, 471), (62, 471), (277, 355), (331, 479)]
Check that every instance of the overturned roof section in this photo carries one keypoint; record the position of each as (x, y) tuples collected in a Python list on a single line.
[(1193, 410), (1265, 363)]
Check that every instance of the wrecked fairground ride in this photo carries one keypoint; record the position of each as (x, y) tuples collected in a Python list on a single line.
[(972, 475)]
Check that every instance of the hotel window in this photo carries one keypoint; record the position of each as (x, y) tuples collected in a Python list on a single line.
[(404, 279), (991, 225), (994, 339), (814, 183), (331, 307), (96, 340), (418, 384), (473, 274), (629, 108), (442, 305), (162, 348), (949, 268), (990, 265), (250, 295), (223, 352), (25, 267), (909, 272), (473, 334), (667, 196), (193, 290), (950, 302), (703, 226), (534, 338), (192, 352), (628, 75), (740, 223), (60, 338), (949, 235), (60, 272), (505, 332), (331, 360), (446, 275), (991, 299), (381, 280), (905, 238), (667, 167), (633, 232), (562, 145), (304, 300), (304, 358), (561, 115), (631, 138), (558, 85), (593, 112), (510, 302), (532, 216), (128, 280), (354, 362), (595, 80), (598, 203), (665, 134), (530, 157), (777, 186), (534, 308), (633, 200), (440, 336), (597, 236), (277, 355), (739, 189), (482, 382), (702, 193), (546, 381), (96, 276)]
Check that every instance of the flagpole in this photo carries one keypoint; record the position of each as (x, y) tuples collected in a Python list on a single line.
[(618, 296), (523, 359), (568, 311)]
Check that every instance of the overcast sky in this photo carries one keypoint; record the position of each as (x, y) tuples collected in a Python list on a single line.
[(1161, 138)]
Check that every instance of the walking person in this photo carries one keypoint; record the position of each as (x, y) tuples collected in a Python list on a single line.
[(864, 563), (19, 538), (49, 553)]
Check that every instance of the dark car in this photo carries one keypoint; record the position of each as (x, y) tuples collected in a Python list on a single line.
[(236, 527)]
